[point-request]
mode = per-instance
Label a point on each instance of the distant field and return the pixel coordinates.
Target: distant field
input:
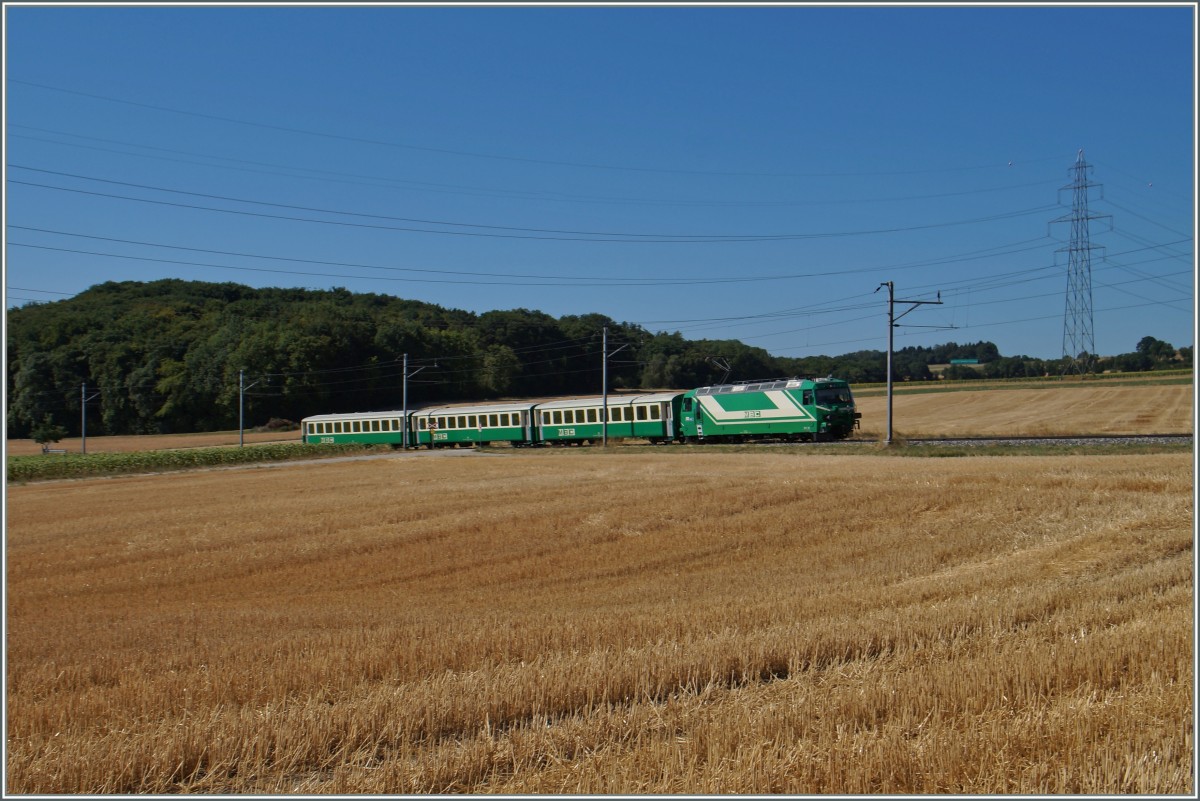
(1061, 410)
(979, 410)
(129, 444)
(633, 622)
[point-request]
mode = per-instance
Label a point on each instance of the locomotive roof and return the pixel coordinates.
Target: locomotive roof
(754, 386)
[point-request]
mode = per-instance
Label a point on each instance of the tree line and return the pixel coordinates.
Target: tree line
(176, 356)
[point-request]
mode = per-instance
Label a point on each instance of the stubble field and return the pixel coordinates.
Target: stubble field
(632, 621)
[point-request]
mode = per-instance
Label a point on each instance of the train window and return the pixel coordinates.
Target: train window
(591, 415)
(374, 425)
(616, 414)
(569, 417)
(462, 421)
(655, 412)
(642, 414)
(421, 423)
(557, 418)
(337, 428)
(493, 420)
(472, 422)
(808, 397)
(546, 418)
(834, 394)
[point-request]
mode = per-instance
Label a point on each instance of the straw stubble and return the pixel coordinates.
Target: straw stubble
(596, 623)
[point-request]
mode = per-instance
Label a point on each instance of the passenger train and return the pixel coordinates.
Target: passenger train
(788, 409)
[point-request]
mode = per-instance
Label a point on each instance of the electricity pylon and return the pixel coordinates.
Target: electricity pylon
(1079, 341)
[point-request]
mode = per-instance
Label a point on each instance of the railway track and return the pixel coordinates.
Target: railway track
(1105, 439)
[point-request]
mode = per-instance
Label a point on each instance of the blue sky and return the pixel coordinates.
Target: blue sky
(726, 172)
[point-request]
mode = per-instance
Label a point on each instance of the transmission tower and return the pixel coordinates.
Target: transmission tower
(1079, 342)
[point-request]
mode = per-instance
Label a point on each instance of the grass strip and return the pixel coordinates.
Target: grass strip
(72, 465)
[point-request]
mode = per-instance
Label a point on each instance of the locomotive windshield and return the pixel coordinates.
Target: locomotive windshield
(829, 396)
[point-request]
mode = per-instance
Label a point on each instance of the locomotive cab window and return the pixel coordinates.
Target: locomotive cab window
(827, 395)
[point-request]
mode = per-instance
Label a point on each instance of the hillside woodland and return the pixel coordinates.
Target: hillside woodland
(175, 356)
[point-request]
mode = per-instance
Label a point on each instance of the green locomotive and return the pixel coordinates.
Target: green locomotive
(793, 409)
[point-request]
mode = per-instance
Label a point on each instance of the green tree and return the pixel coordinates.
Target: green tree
(47, 432)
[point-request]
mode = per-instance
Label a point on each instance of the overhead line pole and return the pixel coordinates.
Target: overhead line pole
(83, 416)
(404, 421)
(242, 387)
(892, 318)
(604, 383)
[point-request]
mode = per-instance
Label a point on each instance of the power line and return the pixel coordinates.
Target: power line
(379, 182)
(622, 238)
(493, 156)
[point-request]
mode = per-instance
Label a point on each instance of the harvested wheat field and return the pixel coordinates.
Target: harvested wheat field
(143, 442)
(632, 621)
(1065, 409)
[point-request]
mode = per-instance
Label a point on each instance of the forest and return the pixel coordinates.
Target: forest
(175, 356)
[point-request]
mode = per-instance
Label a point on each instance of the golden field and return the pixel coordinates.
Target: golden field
(634, 621)
(1065, 409)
